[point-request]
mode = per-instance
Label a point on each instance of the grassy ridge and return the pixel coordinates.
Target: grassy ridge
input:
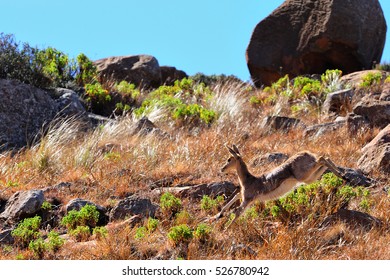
(285, 229)
(108, 163)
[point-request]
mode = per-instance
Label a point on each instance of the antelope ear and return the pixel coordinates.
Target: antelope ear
(235, 149)
(232, 152)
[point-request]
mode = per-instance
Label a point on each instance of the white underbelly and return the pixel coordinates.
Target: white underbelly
(285, 187)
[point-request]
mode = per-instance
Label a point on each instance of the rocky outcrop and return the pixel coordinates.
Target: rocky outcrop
(338, 102)
(385, 94)
(310, 36)
(355, 177)
(145, 127)
(377, 112)
(24, 110)
(279, 123)
(170, 74)
(353, 219)
(133, 205)
(69, 103)
(198, 191)
(355, 79)
(357, 124)
(318, 130)
(22, 204)
(141, 70)
(376, 154)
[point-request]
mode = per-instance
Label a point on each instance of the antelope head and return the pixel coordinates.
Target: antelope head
(233, 161)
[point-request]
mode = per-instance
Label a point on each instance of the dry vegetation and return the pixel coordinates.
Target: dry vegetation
(110, 163)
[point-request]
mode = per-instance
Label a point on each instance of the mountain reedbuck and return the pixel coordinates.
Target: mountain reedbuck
(303, 167)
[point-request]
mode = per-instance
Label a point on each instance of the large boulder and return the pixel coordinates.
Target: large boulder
(376, 154)
(310, 36)
(24, 110)
(141, 70)
(170, 74)
(22, 204)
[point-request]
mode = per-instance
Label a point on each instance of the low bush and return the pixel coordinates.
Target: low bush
(300, 92)
(371, 79)
(27, 231)
(87, 72)
(320, 198)
(208, 204)
(184, 102)
(87, 216)
(150, 227)
(38, 247)
(180, 234)
(203, 232)
(80, 233)
(43, 68)
(18, 61)
(170, 204)
(55, 242)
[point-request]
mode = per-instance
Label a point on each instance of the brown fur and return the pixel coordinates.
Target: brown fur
(302, 168)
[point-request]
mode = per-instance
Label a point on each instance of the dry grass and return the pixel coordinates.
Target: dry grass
(110, 162)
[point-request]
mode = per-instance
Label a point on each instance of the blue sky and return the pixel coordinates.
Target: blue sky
(208, 36)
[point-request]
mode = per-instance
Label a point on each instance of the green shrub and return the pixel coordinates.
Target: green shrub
(384, 66)
(180, 234)
(100, 232)
(183, 217)
(170, 204)
(71, 220)
(55, 242)
(251, 213)
(212, 80)
(371, 79)
(152, 224)
(121, 109)
(46, 206)
(275, 211)
(56, 66)
(141, 232)
(87, 216)
(18, 61)
(307, 86)
(95, 93)
(301, 93)
(26, 231)
(81, 233)
(38, 247)
(184, 102)
(112, 156)
(210, 205)
(331, 80)
(319, 198)
(42, 68)
(203, 232)
(128, 89)
(87, 73)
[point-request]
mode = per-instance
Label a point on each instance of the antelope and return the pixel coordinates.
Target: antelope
(303, 167)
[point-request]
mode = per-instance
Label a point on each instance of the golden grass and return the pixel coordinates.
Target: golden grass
(109, 163)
